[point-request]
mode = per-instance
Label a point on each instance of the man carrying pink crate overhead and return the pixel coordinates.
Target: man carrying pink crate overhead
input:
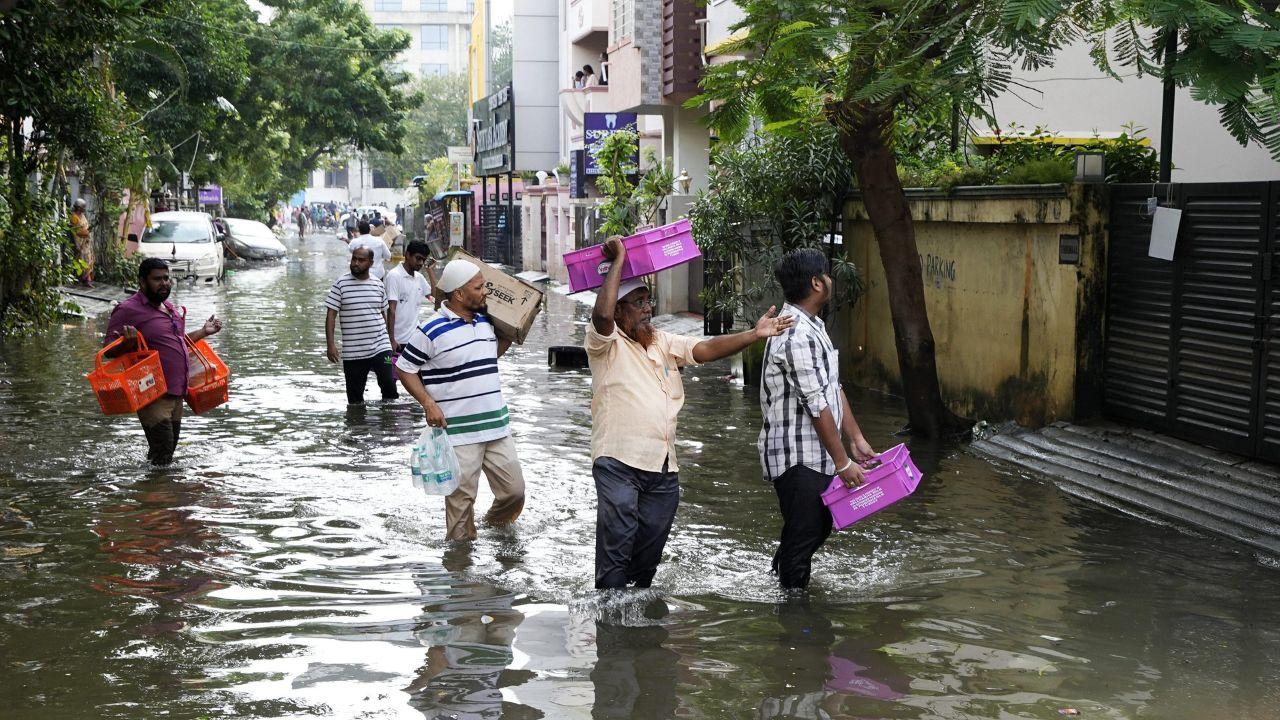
(637, 393)
(805, 412)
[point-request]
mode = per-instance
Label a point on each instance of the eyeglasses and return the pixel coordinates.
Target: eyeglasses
(650, 303)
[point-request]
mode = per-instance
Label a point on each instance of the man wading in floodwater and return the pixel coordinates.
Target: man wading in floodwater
(636, 394)
(150, 314)
(805, 411)
(450, 366)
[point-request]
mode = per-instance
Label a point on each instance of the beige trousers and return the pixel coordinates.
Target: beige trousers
(497, 458)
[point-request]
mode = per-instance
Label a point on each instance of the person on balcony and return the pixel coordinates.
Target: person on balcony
(589, 78)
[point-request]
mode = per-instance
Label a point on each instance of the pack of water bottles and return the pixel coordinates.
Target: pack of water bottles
(432, 463)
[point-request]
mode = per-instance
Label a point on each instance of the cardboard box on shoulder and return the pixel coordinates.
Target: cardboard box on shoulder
(513, 303)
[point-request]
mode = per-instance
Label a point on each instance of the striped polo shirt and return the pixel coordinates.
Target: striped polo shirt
(458, 363)
(361, 306)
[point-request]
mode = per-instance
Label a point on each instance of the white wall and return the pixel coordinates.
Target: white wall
(1202, 150)
(536, 84)
(721, 14)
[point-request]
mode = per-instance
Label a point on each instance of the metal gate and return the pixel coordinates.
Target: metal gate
(1193, 345)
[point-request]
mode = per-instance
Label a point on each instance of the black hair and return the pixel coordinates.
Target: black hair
(587, 69)
(151, 263)
(363, 226)
(796, 269)
(577, 75)
(417, 247)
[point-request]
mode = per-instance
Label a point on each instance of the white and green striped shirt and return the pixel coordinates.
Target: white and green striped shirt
(458, 363)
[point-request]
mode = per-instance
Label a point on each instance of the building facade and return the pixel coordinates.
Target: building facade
(440, 35)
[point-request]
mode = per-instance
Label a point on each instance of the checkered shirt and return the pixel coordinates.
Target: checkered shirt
(801, 378)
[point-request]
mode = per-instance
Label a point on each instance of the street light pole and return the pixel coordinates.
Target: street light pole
(1170, 90)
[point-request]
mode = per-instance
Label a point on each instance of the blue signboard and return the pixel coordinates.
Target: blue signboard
(598, 126)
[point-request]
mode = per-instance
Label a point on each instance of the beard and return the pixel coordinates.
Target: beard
(156, 296)
(643, 333)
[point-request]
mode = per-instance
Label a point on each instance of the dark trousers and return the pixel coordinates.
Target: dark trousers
(806, 523)
(634, 512)
(356, 373)
(162, 424)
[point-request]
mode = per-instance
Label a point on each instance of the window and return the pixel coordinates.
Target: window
(388, 5)
(380, 179)
(430, 5)
(471, 6)
(436, 69)
(435, 37)
(620, 24)
(335, 177)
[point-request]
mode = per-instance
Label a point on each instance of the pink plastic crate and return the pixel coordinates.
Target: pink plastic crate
(891, 476)
(648, 251)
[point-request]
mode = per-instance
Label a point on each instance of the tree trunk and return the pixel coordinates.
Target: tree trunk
(886, 203)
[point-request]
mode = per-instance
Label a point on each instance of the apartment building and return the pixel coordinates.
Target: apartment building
(647, 58)
(440, 33)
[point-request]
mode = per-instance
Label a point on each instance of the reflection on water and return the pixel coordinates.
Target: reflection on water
(285, 566)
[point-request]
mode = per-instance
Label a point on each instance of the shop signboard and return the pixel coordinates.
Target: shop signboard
(494, 134)
(210, 195)
(598, 126)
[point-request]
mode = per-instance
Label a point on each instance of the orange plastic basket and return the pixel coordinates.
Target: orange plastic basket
(208, 385)
(129, 382)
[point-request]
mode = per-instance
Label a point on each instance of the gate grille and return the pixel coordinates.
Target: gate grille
(1185, 346)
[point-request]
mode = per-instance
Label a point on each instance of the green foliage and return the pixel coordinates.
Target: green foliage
(129, 92)
(1030, 158)
(768, 195)
(1046, 171)
(32, 244)
(437, 121)
(438, 174)
(627, 204)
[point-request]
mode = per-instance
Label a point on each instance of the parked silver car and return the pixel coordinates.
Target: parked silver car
(251, 240)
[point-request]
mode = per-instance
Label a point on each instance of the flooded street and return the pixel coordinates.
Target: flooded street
(285, 567)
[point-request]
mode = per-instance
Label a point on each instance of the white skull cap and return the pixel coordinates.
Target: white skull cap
(630, 286)
(456, 274)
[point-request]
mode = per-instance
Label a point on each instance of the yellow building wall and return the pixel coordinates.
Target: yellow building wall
(1003, 310)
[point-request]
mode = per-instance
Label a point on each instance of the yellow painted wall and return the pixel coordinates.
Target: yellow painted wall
(1002, 309)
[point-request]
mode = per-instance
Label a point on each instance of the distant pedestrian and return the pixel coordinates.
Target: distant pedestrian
(381, 253)
(450, 366)
(406, 289)
(350, 224)
(83, 237)
(300, 217)
(637, 393)
(805, 413)
(162, 325)
(358, 302)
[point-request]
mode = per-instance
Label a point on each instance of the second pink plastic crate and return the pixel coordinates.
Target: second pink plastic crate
(648, 252)
(891, 478)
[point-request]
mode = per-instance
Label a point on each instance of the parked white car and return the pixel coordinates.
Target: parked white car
(189, 241)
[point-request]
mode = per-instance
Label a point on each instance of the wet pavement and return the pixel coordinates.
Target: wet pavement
(285, 567)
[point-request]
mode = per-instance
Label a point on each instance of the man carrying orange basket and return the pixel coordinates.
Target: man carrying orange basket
(162, 325)
(805, 413)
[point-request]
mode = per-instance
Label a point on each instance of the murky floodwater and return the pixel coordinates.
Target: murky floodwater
(285, 567)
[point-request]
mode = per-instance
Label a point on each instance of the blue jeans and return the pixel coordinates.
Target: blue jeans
(634, 512)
